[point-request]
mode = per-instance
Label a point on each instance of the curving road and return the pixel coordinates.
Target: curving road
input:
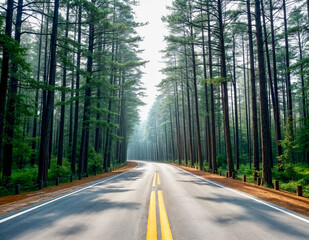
(154, 201)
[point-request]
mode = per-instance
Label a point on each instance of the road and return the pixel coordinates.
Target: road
(154, 201)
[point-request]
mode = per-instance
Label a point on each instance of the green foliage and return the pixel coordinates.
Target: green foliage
(303, 137)
(215, 81)
(95, 163)
(55, 171)
(288, 174)
(25, 177)
(288, 145)
(221, 160)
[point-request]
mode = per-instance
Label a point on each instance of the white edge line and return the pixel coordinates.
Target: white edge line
(248, 196)
(64, 196)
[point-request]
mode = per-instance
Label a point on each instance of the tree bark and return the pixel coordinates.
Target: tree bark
(5, 71)
(288, 74)
(64, 81)
(11, 103)
(236, 110)
(198, 132)
(75, 133)
(275, 77)
(212, 100)
(225, 106)
(255, 137)
(207, 127)
(83, 155)
(264, 118)
(49, 108)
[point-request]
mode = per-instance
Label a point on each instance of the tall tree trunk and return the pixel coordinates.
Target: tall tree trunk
(275, 77)
(49, 108)
(177, 123)
(236, 110)
(264, 118)
(184, 122)
(246, 105)
(288, 74)
(5, 71)
(64, 81)
(36, 104)
(271, 88)
(198, 132)
(83, 155)
(70, 142)
(75, 133)
(189, 109)
(212, 100)
(255, 137)
(225, 106)
(11, 103)
(172, 135)
(207, 127)
(98, 133)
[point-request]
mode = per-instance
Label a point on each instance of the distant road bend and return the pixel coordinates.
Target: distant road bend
(154, 201)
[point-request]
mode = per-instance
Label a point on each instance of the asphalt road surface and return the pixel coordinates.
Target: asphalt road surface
(154, 201)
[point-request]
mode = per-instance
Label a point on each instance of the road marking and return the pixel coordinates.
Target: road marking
(152, 219)
(165, 226)
(250, 197)
(158, 179)
(64, 196)
(154, 180)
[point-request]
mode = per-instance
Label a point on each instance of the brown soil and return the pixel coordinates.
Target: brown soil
(16, 202)
(281, 198)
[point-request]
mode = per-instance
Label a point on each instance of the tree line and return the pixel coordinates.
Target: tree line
(236, 87)
(70, 84)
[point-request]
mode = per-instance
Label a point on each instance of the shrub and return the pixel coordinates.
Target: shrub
(221, 160)
(55, 171)
(95, 163)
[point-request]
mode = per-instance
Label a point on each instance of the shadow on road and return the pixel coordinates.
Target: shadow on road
(92, 201)
(251, 213)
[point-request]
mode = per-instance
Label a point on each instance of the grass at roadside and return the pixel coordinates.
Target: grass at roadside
(297, 174)
(27, 177)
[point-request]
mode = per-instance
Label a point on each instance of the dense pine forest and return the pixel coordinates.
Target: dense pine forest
(235, 95)
(70, 87)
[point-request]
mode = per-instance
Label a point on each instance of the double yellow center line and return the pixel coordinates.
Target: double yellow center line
(152, 218)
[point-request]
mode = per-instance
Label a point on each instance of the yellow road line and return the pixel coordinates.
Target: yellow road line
(165, 226)
(158, 179)
(152, 220)
(154, 180)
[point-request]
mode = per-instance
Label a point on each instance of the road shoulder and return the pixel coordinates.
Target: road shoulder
(16, 202)
(280, 198)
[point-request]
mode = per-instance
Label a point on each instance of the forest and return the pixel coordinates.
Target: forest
(235, 94)
(70, 88)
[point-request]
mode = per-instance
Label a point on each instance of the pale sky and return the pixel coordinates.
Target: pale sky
(153, 34)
